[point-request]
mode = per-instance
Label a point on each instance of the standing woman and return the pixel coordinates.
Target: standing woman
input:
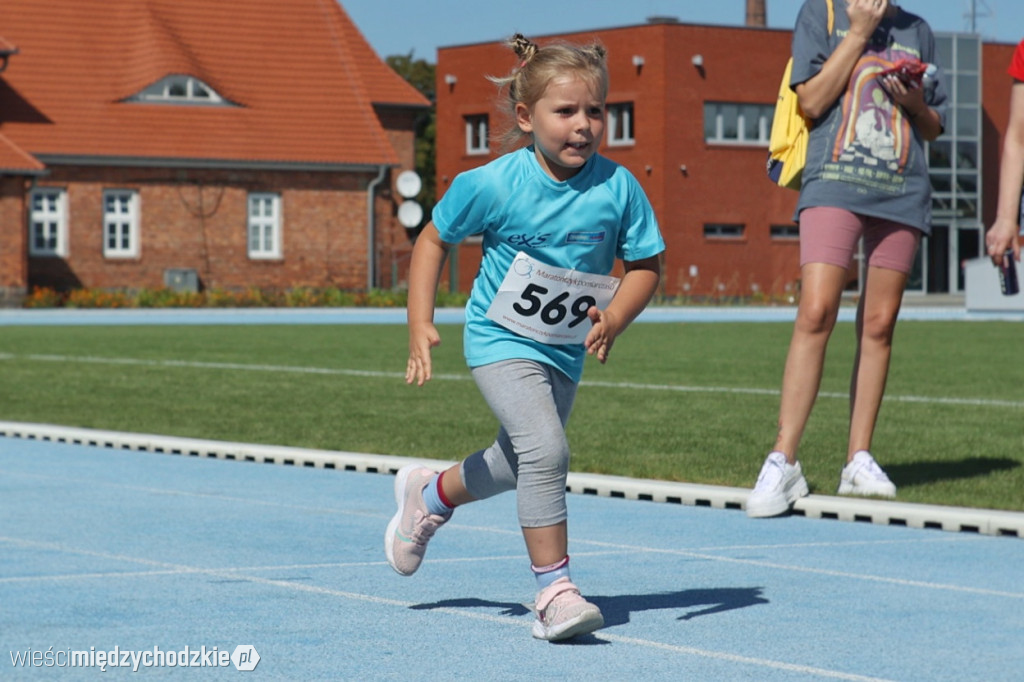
(866, 176)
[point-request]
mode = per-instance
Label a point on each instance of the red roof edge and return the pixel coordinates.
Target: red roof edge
(16, 161)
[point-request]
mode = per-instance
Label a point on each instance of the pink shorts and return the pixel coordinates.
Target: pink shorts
(829, 235)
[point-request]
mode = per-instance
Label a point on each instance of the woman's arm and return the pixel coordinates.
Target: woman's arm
(924, 118)
(820, 91)
(1002, 236)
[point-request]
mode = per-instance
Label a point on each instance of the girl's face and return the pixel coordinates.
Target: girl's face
(566, 124)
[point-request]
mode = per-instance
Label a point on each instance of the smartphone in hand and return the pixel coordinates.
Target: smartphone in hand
(909, 71)
(1008, 275)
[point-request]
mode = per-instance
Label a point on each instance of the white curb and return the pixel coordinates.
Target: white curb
(883, 512)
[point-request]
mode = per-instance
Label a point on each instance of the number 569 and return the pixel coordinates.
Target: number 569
(553, 311)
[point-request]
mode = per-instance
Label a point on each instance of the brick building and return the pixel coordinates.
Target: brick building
(689, 113)
(227, 145)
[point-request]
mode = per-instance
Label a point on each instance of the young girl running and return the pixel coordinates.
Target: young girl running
(554, 216)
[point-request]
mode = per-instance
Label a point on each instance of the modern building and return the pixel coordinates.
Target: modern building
(689, 113)
(254, 143)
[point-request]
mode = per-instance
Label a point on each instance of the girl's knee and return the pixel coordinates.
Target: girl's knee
(550, 459)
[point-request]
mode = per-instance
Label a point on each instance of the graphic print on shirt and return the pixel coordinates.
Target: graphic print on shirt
(874, 141)
(532, 241)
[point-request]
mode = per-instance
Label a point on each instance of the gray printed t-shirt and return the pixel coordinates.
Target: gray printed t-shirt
(864, 154)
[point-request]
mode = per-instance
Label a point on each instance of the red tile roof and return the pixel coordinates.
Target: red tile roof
(15, 160)
(304, 79)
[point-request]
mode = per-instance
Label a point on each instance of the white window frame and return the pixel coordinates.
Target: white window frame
(478, 130)
(263, 226)
(717, 134)
(182, 89)
(621, 131)
(725, 231)
(48, 222)
(120, 223)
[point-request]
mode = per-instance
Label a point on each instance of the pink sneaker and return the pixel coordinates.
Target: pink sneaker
(562, 613)
(412, 526)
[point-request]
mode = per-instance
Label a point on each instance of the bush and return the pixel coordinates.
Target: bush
(253, 297)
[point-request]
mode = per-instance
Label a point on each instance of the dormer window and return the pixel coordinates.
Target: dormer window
(180, 89)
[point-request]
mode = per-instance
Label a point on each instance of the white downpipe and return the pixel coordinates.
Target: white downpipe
(371, 228)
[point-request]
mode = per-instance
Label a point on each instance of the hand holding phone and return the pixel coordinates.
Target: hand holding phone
(909, 71)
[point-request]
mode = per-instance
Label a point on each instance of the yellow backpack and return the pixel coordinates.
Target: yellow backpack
(787, 146)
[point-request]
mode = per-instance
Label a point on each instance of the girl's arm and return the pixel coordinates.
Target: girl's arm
(638, 285)
(820, 91)
(428, 256)
(1002, 236)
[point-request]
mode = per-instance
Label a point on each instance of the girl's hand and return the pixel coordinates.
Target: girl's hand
(602, 336)
(422, 337)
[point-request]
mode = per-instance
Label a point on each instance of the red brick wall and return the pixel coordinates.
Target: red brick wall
(13, 249)
(197, 219)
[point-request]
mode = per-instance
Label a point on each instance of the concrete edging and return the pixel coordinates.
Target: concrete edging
(882, 512)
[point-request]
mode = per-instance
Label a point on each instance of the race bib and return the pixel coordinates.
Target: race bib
(549, 304)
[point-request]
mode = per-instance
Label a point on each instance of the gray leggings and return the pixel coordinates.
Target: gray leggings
(532, 400)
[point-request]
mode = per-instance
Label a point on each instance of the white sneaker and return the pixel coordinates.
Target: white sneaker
(863, 476)
(779, 485)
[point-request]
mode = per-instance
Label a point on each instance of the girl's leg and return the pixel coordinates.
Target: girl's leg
(532, 401)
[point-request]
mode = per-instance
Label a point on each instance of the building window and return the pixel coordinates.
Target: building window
(477, 132)
(48, 223)
(120, 223)
(723, 231)
(620, 124)
(731, 123)
(785, 232)
(180, 89)
(264, 225)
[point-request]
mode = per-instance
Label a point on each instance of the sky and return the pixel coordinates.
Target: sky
(398, 27)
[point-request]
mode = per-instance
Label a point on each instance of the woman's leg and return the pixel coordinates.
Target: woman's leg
(828, 239)
(820, 294)
(890, 249)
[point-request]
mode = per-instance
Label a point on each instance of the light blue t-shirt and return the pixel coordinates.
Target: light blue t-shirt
(584, 223)
(864, 154)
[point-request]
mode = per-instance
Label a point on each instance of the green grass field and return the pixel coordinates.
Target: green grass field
(682, 402)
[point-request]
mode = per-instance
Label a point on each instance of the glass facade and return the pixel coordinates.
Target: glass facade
(954, 161)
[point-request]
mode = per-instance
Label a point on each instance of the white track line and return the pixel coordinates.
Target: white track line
(235, 574)
(86, 359)
(695, 553)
